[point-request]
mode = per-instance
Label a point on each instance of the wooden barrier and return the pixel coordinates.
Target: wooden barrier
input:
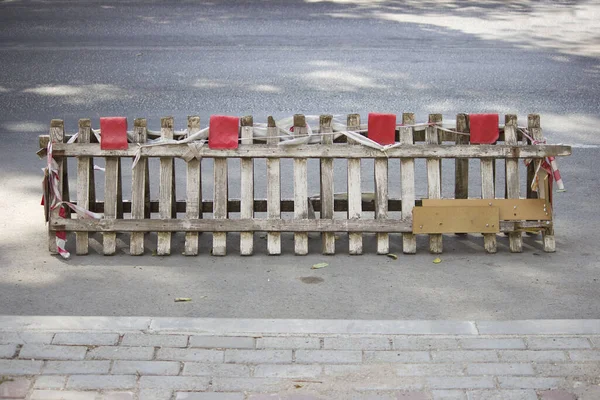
(364, 214)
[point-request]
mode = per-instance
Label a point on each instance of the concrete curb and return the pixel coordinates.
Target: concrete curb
(231, 326)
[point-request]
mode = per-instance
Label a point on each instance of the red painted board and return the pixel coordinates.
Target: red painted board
(223, 132)
(382, 128)
(113, 133)
(484, 128)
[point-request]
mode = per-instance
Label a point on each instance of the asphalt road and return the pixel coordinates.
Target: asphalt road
(74, 60)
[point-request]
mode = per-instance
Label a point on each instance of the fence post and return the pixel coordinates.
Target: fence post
(166, 193)
(57, 135)
(355, 242)
(327, 185)
(461, 168)
(512, 177)
(381, 202)
(407, 170)
(300, 189)
(434, 187)
(85, 180)
(247, 189)
(533, 123)
(273, 189)
(220, 200)
(193, 205)
(113, 201)
(139, 187)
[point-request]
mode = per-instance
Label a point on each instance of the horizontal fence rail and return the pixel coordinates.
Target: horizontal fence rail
(355, 212)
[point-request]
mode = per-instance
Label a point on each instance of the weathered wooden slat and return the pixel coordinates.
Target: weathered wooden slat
(461, 166)
(407, 171)
(57, 136)
(300, 189)
(166, 188)
(247, 187)
(257, 225)
(533, 124)
(139, 187)
(273, 206)
(261, 205)
(434, 187)
(193, 191)
(340, 150)
(220, 211)
(381, 202)
(488, 191)
(355, 242)
(327, 186)
(85, 179)
(515, 239)
(111, 194)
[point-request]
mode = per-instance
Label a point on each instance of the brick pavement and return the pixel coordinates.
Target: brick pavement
(201, 359)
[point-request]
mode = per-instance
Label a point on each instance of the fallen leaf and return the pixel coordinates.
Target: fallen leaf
(297, 386)
(437, 260)
(319, 266)
(182, 299)
(392, 256)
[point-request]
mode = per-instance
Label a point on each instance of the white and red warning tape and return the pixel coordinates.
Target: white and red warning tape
(51, 173)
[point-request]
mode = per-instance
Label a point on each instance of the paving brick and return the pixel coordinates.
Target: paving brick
(287, 371)
(118, 396)
(396, 356)
(8, 350)
(479, 343)
(51, 352)
(155, 394)
(121, 353)
(62, 395)
(541, 343)
(556, 394)
(594, 339)
(401, 384)
(20, 367)
(308, 343)
(536, 356)
(101, 382)
(209, 369)
(448, 395)
(174, 382)
(529, 382)
(229, 342)
(357, 343)
(199, 355)
(583, 355)
(258, 356)
(424, 343)
(346, 369)
(567, 369)
(209, 396)
(76, 367)
(460, 382)
(429, 369)
(328, 356)
(464, 356)
(14, 388)
(500, 369)
(123, 367)
(152, 340)
(221, 384)
(502, 395)
(88, 338)
(50, 382)
(26, 337)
